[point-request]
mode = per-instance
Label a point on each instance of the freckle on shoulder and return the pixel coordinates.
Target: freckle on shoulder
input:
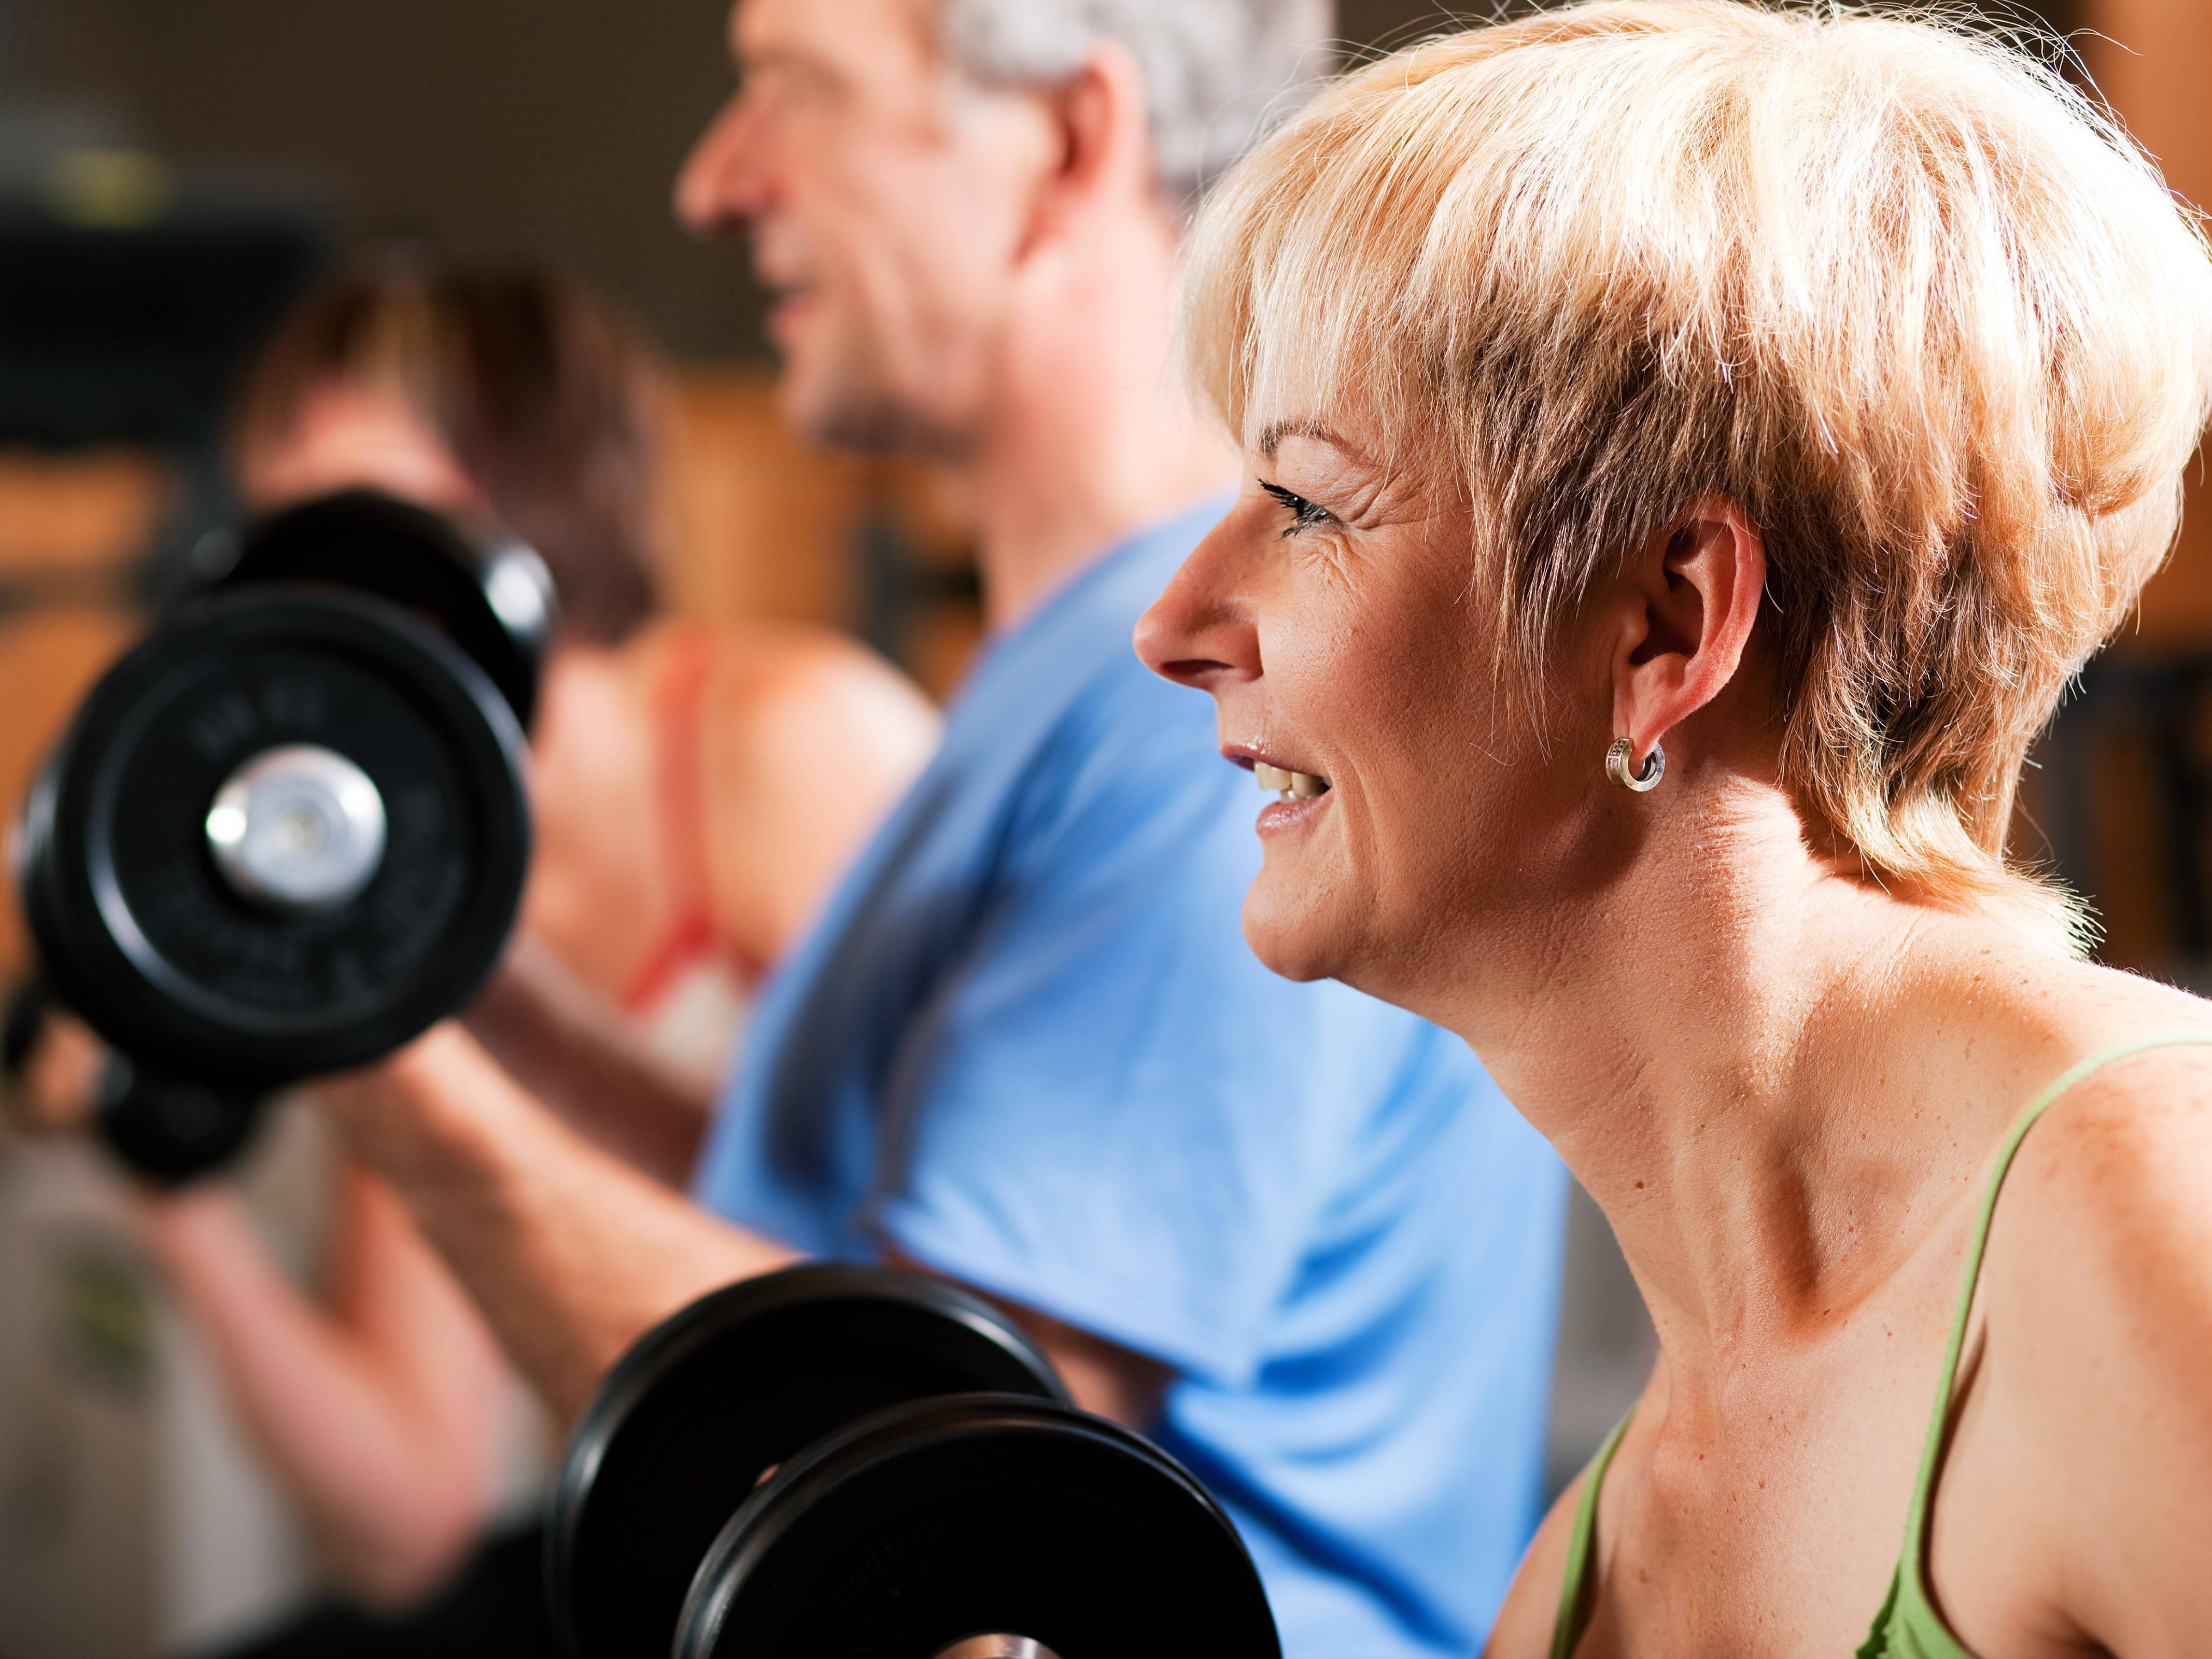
(2152, 1088)
(2128, 1158)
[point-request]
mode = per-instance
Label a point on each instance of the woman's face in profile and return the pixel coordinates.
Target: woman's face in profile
(346, 435)
(1330, 614)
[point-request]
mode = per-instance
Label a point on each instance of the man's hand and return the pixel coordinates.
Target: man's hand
(57, 1091)
(570, 1252)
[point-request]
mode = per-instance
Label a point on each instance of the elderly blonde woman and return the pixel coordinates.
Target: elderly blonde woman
(1691, 446)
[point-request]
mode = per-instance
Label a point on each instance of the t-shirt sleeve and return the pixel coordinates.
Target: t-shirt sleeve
(1110, 1111)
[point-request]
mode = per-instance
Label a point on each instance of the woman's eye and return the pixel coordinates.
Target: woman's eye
(1305, 515)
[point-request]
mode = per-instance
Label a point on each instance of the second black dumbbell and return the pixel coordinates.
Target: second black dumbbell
(856, 1461)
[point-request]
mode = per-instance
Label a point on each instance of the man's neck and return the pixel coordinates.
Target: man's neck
(1093, 436)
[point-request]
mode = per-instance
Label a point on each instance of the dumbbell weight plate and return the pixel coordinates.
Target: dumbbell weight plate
(979, 1524)
(713, 1398)
(490, 594)
(204, 975)
(169, 1132)
(21, 1026)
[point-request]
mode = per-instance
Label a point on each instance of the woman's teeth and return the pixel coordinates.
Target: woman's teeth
(1291, 786)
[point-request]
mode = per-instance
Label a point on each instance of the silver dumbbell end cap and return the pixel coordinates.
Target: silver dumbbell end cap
(298, 828)
(996, 1647)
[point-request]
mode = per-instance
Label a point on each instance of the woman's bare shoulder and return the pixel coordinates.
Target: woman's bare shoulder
(2118, 1170)
(1524, 1625)
(768, 688)
(2098, 1288)
(758, 658)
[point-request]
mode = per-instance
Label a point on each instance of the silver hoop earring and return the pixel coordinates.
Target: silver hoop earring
(1616, 766)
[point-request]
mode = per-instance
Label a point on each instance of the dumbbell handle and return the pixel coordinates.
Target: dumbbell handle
(996, 1647)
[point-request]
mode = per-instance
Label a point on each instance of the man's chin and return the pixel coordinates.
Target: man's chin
(814, 407)
(840, 410)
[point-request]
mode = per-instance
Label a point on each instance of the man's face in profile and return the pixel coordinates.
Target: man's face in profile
(885, 201)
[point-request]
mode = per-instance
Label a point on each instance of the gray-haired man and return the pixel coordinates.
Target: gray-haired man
(1294, 1233)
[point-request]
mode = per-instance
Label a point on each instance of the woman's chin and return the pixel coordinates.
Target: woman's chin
(1288, 938)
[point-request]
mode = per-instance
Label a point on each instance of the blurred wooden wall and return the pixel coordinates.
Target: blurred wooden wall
(2151, 59)
(754, 522)
(761, 527)
(70, 530)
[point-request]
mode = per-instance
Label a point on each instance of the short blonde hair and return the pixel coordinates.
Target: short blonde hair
(1896, 288)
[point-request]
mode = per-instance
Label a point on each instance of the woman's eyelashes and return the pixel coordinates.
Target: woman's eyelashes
(1305, 515)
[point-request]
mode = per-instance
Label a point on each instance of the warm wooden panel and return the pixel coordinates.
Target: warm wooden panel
(756, 524)
(48, 659)
(80, 513)
(2153, 60)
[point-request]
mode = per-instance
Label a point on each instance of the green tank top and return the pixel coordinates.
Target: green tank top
(1908, 1626)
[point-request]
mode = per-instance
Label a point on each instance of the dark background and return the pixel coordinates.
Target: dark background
(548, 127)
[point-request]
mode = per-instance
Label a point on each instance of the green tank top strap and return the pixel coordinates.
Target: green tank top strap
(1908, 1626)
(1575, 1584)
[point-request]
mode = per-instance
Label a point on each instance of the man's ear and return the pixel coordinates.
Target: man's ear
(1685, 607)
(1102, 121)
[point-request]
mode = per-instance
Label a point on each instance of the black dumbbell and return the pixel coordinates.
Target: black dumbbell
(165, 1131)
(169, 1132)
(288, 832)
(979, 1527)
(487, 593)
(21, 1026)
(855, 1461)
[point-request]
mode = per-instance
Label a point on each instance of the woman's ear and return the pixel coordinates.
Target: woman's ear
(1688, 605)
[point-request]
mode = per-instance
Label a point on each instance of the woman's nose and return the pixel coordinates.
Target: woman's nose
(1198, 633)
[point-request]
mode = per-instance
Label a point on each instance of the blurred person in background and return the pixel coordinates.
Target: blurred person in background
(694, 791)
(1025, 1047)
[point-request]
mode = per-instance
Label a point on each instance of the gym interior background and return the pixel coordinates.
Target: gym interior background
(224, 149)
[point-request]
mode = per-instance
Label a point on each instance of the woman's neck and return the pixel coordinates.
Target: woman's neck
(1737, 1056)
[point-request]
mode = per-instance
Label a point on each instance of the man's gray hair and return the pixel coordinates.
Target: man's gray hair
(1218, 73)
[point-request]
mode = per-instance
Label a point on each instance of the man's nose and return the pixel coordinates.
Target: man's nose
(718, 189)
(1198, 633)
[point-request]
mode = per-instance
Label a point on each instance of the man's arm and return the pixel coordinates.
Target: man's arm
(1102, 1377)
(554, 1037)
(570, 1253)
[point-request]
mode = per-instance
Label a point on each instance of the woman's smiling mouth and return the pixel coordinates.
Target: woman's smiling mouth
(1291, 786)
(1298, 795)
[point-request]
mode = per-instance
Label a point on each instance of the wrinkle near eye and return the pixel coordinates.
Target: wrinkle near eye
(1350, 488)
(1326, 551)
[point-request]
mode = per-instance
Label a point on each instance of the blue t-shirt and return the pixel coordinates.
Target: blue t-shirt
(1027, 1046)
